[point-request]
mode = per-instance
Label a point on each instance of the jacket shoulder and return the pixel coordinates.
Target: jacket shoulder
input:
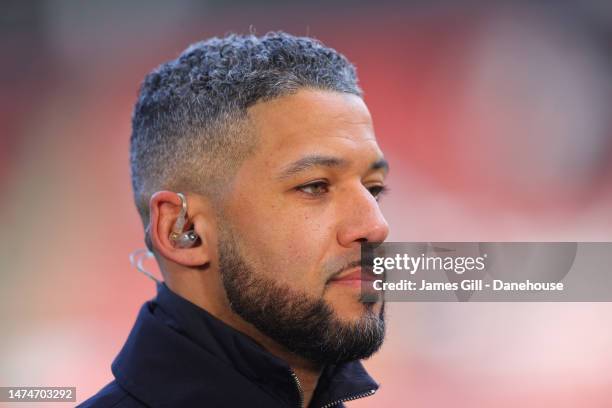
(112, 396)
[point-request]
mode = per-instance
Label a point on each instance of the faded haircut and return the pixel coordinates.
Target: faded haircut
(190, 128)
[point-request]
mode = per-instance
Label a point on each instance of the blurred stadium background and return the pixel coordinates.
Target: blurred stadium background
(495, 117)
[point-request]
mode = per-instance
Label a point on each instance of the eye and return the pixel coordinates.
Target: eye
(315, 188)
(378, 191)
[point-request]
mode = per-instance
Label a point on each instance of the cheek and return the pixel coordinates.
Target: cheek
(290, 244)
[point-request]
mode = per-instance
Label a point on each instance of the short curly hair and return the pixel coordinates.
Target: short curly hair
(189, 125)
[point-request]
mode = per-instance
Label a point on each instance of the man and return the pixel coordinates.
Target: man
(271, 144)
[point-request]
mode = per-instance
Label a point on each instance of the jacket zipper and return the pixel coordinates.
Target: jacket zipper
(351, 398)
(299, 388)
(331, 404)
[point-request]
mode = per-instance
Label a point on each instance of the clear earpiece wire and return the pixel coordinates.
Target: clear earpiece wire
(138, 257)
(182, 218)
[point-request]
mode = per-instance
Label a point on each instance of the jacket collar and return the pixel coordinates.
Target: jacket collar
(176, 346)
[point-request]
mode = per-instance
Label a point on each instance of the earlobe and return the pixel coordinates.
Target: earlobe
(168, 217)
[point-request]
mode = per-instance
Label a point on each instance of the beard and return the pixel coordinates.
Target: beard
(306, 326)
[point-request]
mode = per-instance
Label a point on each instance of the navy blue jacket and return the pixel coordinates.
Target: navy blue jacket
(179, 355)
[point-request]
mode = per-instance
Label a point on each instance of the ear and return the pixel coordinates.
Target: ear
(164, 210)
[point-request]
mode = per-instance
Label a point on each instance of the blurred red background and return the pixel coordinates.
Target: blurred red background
(495, 118)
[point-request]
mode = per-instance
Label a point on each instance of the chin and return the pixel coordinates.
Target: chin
(350, 308)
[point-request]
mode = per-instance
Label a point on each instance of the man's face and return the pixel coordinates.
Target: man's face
(299, 208)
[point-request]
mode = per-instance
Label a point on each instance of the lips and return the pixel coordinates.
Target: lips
(353, 274)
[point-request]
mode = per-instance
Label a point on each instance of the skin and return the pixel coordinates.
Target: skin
(298, 224)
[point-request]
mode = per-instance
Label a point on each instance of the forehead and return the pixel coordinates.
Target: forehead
(314, 121)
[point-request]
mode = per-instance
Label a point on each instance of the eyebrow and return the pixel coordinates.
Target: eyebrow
(380, 164)
(316, 160)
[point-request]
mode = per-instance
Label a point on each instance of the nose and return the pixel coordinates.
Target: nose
(361, 220)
